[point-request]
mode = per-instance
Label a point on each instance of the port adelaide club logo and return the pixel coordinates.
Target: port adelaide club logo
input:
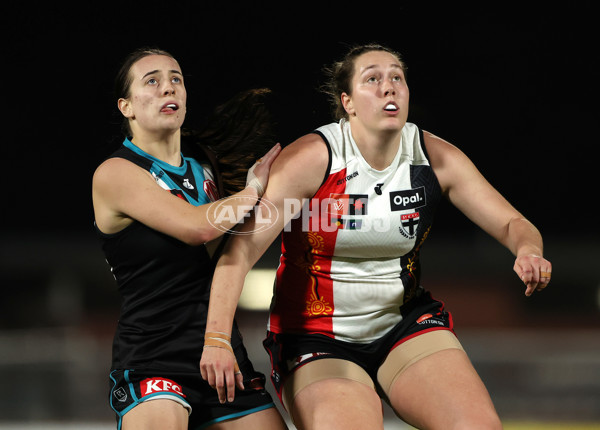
(406, 200)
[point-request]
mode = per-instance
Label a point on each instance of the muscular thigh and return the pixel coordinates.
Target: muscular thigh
(159, 414)
(332, 394)
(265, 419)
(412, 350)
(443, 390)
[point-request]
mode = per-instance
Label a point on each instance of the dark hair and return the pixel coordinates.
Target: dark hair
(238, 133)
(123, 79)
(339, 75)
(233, 137)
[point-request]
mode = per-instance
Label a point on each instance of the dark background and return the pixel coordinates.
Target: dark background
(514, 85)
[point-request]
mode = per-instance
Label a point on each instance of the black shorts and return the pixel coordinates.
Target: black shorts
(289, 352)
(131, 387)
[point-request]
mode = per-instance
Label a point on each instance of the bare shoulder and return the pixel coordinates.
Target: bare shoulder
(117, 183)
(450, 164)
(439, 148)
(301, 166)
(111, 168)
(308, 153)
(118, 172)
(310, 147)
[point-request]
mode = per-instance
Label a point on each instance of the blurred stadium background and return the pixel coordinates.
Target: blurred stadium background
(539, 357)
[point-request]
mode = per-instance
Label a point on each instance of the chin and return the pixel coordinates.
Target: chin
(393, 126)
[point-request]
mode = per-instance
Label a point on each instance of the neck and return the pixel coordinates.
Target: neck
(378, 149)
(165, 147)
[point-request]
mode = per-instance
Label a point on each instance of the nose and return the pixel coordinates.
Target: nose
(168, 89)
(389, 90)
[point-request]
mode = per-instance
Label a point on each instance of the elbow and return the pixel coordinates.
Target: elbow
(519, 222)
(512, 226)
(200, 235)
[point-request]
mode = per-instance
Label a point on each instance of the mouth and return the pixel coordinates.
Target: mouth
(391, 107)
(169, 107)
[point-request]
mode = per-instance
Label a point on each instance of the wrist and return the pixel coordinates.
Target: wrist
(220, 340)
(256, 185)
(218, 335)
(530, 252)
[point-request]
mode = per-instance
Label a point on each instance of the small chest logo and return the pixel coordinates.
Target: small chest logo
(159, 385)
(348, 204)
(187, 184)
(157, 175)
(409, 224)
(407, 199)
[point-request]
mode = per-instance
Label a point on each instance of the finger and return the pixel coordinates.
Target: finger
(530, 289)
(203, 372)
(520, 271)
(210, 377)
(529, 280)
(231, 387)
(220, 386)
(543, 283)
(274, 149)
(271, 155)
(526, 276)
(239, 380)
(545, 276)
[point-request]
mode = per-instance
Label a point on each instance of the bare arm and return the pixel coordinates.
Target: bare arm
(123, 192)
(307, 155)
(472, 194)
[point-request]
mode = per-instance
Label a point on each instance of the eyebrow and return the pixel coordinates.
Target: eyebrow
(374, 66)
(156, 71)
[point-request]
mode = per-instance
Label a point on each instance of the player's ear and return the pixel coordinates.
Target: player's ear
(347, 103)
(124, 106)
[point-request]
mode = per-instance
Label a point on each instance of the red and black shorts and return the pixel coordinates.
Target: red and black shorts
(289, 352)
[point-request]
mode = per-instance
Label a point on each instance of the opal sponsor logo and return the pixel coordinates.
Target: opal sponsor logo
(407, 199)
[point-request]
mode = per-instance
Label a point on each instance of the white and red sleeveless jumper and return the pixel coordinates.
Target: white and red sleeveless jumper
(350, 260)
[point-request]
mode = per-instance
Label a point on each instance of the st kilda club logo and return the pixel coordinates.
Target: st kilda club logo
(406, 200)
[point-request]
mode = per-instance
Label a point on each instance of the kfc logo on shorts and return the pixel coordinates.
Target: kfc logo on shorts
(160, 385)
